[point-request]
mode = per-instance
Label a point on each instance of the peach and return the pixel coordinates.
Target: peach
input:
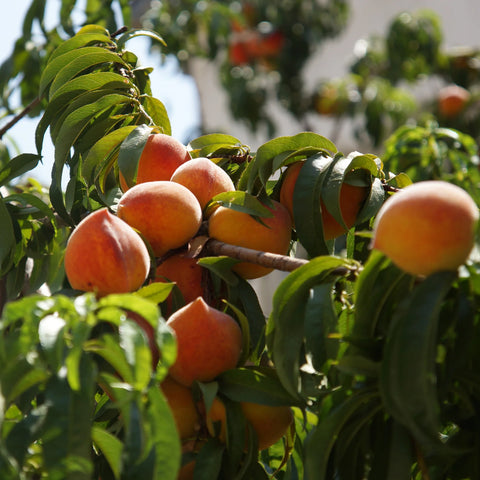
(203, 178)
(185, 272)
(269, 422)
(184, 409)
(238, 228)
(105, 255)
(209, 342)
(351, 200)
(160, 157)
(166, 213)
(452, 99)
(427, 227)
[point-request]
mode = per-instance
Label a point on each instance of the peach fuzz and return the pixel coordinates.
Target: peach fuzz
(166, 213)
(209, 342)
(203, 178)
(351, 200)
(427, 227)
(269, 422)
(161, 156)
(241, 229)
(105, 255)
(183, 407)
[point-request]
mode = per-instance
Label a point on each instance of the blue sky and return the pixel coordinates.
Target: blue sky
(175, 90)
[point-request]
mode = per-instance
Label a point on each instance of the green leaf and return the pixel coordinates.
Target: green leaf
(17, 166)
(157, 113)
(134, 343)
(321, 321)
(286, 329)
(81, 40)
(123, 39)
(81, 62)
(408, 376)
(213, 139)
(111, 447)
(109, 349)
(130, 151)
(255, 384)
(306, 204)
(7, 238)
(379, 283)
(241, 202)
(164, 435)
(156, 292)
(102, 150)
(209, 460)
(85, 58)
(320, 443)
(301, 145)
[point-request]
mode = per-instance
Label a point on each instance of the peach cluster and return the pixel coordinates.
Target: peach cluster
(166, 203)
(159, 212)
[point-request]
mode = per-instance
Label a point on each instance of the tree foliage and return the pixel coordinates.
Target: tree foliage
(380, 367)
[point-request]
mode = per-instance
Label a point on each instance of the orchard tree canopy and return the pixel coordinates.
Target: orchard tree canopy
(132, 342)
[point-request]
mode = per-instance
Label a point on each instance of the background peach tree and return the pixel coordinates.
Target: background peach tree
(381, 369)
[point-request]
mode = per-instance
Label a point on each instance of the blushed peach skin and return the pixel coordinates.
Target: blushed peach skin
(105, 255)
(203, 178)
(166, 213)
(241, 229)
(185, 272)
(352, 198)
(209, 342)
(182, 404)
(160, 157)
(427, 227)
(269, 422)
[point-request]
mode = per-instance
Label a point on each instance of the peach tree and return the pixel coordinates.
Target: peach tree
(378, 366)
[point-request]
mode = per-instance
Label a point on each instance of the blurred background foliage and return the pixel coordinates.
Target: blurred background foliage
(260, 50)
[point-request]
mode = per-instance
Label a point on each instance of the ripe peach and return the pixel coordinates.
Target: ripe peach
(208, 342)
(352, 198)
(427, 227)
(269, 422)
(241, 229)
(451, 100)
(160, 157)
(182, 404)
(185, 272)
(166, 213)
(203, 178)
(105, 255)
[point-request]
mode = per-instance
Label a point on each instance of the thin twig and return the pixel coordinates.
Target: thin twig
(19, 116)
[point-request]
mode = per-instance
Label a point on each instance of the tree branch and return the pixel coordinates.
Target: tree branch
(19, 116)
(270, 260)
